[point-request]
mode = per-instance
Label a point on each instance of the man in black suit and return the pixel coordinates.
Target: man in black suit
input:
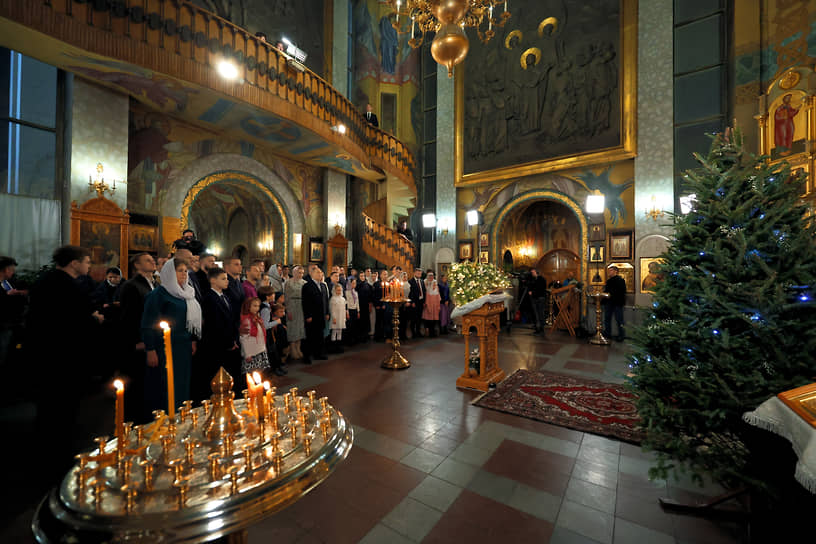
(61, 325)
(371, 117)
(417, 296)
(219, 336)
(131, 300)
(235, 291)
(365, 294)
(205, 262)
(315, 310)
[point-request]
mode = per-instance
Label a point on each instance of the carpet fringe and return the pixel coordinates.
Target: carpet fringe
(477, 399)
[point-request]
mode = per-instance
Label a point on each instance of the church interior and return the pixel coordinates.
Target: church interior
(532, 153)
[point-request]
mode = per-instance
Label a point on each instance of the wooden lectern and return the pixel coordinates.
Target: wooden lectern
(486, 322)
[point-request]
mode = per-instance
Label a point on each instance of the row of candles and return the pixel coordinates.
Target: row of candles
(392, 290)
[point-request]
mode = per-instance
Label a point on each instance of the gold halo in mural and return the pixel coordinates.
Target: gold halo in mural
(789, 80)
(535, 51)
(515, 34)
(543, 24)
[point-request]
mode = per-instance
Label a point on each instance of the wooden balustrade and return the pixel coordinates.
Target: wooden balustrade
(200, 38)
(387, 246)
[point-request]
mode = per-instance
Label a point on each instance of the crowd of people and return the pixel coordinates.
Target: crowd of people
(260, 318)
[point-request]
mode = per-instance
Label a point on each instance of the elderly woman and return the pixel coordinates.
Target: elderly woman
(295, 326)
(173, 301)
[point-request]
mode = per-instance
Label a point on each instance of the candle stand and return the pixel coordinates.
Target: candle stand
(598, 339)
(396, 360)
(205, 475)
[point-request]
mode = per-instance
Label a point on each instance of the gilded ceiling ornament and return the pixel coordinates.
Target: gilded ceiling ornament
(543, 24)
(535, 51)
(515, 34)
(789, 80)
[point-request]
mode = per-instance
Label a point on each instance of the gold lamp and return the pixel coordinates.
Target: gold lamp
(99, 184)
(448, 19)
(654, 212)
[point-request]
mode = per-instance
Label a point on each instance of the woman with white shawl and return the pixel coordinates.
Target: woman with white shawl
(295, 325)
(173, 301)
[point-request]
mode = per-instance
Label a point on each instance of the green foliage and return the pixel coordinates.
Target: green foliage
(734, 321)
(469, 281)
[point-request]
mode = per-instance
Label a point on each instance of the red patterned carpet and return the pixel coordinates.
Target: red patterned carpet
(568, 401)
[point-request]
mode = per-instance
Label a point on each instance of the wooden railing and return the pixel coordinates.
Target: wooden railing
(378, 211)
(196, 40)
(386, 246)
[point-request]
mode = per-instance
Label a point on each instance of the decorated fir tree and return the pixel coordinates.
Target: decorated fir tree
(734, 320)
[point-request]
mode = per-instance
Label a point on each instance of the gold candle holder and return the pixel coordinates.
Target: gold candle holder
(172, 431)
(82, 459)
(286, 398)
(129, 491)
(147, 466)
(277, 462)
(99, 488)
(158, 415)
(307, 444)
(275, 439)
(205, 404)
(83, 475)
(324, 404)
(189, 449)
(177, 466)
(395, 360)
(294, 392)
(324, 430)
(101, 444)
(182, 487)
(187, 407)
(140, 430)
(214, 459)
(233, 476)
(166, 442)
(123, 469)
(127, 426)
(312, 395)
(247, 449)
(222, 418)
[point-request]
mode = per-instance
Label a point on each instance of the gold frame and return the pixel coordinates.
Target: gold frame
(628, 122)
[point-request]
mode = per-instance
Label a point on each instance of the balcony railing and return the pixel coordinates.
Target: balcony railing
(195, 36)
(387, 246)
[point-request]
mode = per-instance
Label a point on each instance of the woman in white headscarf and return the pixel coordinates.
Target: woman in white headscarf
(173, 301)
(295, 325)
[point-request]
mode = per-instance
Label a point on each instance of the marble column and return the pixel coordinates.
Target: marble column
(654, 165)
(445, 174)
(340, 44)
(334, 196)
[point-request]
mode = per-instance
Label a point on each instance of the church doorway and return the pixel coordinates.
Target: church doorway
(542, 234)
(235, 218)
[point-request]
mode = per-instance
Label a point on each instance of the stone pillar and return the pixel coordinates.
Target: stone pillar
(654, 165)
(445, 173)
(99, 134)
(334, 197)
(340, 29)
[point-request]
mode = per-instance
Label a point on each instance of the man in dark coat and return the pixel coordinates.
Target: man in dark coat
(205, 262)
(315, 309)
(371, 117)
(616, 287)
(417, 296)
(235, 290)
(131, 299)
(365, 293)
(61, 324)
(219, 337)
(379, 305)
(188, 241)
(537, 291)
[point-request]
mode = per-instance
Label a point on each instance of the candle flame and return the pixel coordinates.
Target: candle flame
(119, 385)
(250, 381)
(164, 325)
(256, 377)
(267, 386)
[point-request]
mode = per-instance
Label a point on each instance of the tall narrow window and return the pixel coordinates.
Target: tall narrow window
(28, 121)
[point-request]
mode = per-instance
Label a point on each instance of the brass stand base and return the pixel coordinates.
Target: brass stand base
(395, 361)
(480, 383)
(599, 339)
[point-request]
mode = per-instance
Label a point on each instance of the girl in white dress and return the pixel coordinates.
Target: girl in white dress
(338, 313)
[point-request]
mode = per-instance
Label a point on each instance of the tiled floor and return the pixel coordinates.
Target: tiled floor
(427, 466)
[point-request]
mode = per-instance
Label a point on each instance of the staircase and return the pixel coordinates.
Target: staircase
(384, 244)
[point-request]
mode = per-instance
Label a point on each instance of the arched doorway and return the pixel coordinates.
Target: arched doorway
(558, 265)
(236, 216)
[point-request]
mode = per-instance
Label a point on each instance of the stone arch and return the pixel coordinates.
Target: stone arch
(289, 204)
(444, 255)
(542, 194)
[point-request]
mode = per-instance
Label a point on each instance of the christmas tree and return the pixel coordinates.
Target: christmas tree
(734, 321)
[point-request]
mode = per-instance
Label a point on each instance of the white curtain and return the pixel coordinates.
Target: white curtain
(29, 230)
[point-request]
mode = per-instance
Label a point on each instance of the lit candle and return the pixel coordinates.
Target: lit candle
(506, 5)
(120, 413)
(168, 356)
(490, 18)
(259, 397)
(412, 28)
(268, 397)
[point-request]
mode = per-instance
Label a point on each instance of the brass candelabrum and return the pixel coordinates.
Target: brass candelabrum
(206, 474)
(598, 339)
(396, 360)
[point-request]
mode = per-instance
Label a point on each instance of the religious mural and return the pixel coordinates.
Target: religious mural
(161, 147)
(385, 63)
(547, 85)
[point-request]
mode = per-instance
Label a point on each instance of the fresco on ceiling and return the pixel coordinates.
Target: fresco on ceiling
(615, 182)
(547, 85)
(161, 147)
(384, 62)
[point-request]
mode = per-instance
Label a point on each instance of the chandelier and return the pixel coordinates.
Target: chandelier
(448, 19)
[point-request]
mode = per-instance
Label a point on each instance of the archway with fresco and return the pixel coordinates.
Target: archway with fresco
(237, 216)
(545, 230)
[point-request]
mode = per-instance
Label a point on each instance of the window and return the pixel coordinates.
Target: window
(28, 126)
(427, 135)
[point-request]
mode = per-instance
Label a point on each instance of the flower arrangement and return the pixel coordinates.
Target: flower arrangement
(469, 281)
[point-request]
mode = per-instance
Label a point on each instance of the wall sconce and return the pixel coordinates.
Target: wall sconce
(214, 249)
(99, 184)
(654, 212)
(267, 244)
(595, 204)
(339, 222)
(444, 225)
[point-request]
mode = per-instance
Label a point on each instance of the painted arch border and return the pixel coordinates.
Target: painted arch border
(221, 177)
(536, 195)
